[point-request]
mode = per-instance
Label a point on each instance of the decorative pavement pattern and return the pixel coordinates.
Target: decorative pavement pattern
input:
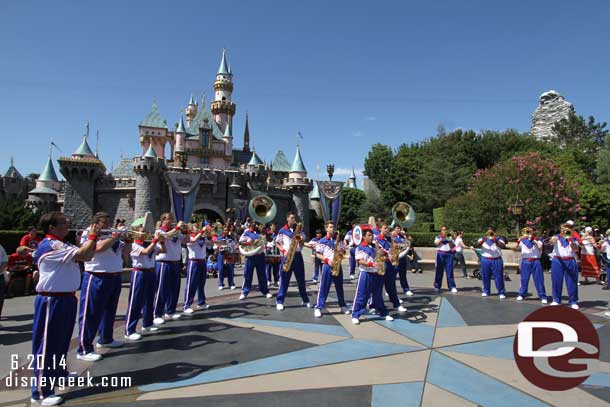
(446, 350)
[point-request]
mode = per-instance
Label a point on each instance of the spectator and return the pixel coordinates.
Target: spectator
(31, 240)
(3, 263)
(20, 265)
(459, 253)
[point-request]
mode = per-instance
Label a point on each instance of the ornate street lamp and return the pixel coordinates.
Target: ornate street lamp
(183, 157)
(517, 210)
(330, 169)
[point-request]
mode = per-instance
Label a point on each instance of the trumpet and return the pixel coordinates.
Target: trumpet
(527, 232)
(566, 232)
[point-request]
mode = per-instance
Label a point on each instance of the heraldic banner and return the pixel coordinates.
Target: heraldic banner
(183, 187)
(330, 199)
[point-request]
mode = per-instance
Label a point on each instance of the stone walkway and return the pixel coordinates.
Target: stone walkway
(451, 349)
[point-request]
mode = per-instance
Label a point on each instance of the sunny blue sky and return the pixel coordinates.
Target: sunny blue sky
(346, 74)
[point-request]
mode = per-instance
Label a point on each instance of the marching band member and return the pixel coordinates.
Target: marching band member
(444, 260)
(370, 283)
(283, 241)
(196, 271)
(272, 269)
(169, 268)
(55, 304)
(251, 235)
(223, 244)
(317, 264)
(142, 286)
(589, 266)
(491, 262)
(531, 249)
(325, 251)
(398, 238)
(563, 265)
(100, 292)
(352, 252)
(385, 243)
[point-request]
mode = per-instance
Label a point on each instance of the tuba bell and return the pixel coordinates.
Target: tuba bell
(262, 209)
(403, 215)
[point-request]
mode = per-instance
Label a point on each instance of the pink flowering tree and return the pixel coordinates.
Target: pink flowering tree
(549, 197)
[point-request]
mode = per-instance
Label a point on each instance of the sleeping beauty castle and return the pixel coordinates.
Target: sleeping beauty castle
(200, 145)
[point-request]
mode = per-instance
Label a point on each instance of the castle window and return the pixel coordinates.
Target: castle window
(224, 98)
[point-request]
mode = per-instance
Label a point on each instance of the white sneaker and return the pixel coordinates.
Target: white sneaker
(607, 314)
(232, 287)
(204, 306)
(268, 295)
(133, 337)
(317, 313)
(89, 357)
(351, 277)
(409, 293)
(400, 301)
(242, 297)
(574, 306)
(221, 287)
(345, 310)
(372, 311)
(389, 318)
(279, 307)
(158, 321)
(150, 329)
(554, 303)
(48, 401)
(189, 311)
(167, 316)
(113, 344)
(544, 301)
(484, 294)
(519, 298)
(386, 294)
(355, 321)
(502, 296)
(402, 309)
(176, 316)
(306, 304)
(454, 290)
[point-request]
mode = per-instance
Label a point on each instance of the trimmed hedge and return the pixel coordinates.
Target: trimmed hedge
(9, 239)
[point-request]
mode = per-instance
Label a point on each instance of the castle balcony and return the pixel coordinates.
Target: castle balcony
(223, 106)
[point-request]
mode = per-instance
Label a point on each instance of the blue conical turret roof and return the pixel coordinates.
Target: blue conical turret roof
(224, 69)
(12, 171)
(255, 160)
(48, 173)
(228, 132)
(84, 149)
(180, 128)
(150, 153)
(192, 100)
(297, 163)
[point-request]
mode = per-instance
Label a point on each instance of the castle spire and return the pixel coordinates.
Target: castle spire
(180, 128)
(246, 148)
(297, 163)
(223, 69)
(48, 173)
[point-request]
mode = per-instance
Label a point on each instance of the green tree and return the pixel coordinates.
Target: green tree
(351, 202)
(14, 215)
(602, 170)
(378, 165)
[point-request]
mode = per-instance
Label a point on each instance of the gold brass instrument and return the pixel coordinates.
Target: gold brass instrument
(566, 232)
(255, 247)
(380, 258)
(339, 252)
(296, 240)
(403, 215)
(527, 232)
(262, 209)
(395, 250)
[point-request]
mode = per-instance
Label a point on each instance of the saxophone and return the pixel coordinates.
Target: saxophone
(296, 239)
(394, 252)
(380, 260)
(337, 257)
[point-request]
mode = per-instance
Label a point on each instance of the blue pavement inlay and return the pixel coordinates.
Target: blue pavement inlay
(474, 386)
(401, 394)
(418, 332)
(598, 379)
(336, 330)
(336, 352)
(501, 348)
(448, 316)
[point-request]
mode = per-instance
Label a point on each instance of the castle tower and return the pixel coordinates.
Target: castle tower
(300, 186)
(43, 198)
(153, 131)
(222, 108)
(191, 111)
(228, 139)
(180, 137)
(81, 171)
(148, 169)
(246, 147)
(351, 181)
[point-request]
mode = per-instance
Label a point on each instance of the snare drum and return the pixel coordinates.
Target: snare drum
(231, 257)
(273, 259)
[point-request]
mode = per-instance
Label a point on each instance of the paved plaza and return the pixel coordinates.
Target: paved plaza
(447, 349)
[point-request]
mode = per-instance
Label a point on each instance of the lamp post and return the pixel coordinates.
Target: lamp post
(183, 157)
(517, 210)
(330, 169)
